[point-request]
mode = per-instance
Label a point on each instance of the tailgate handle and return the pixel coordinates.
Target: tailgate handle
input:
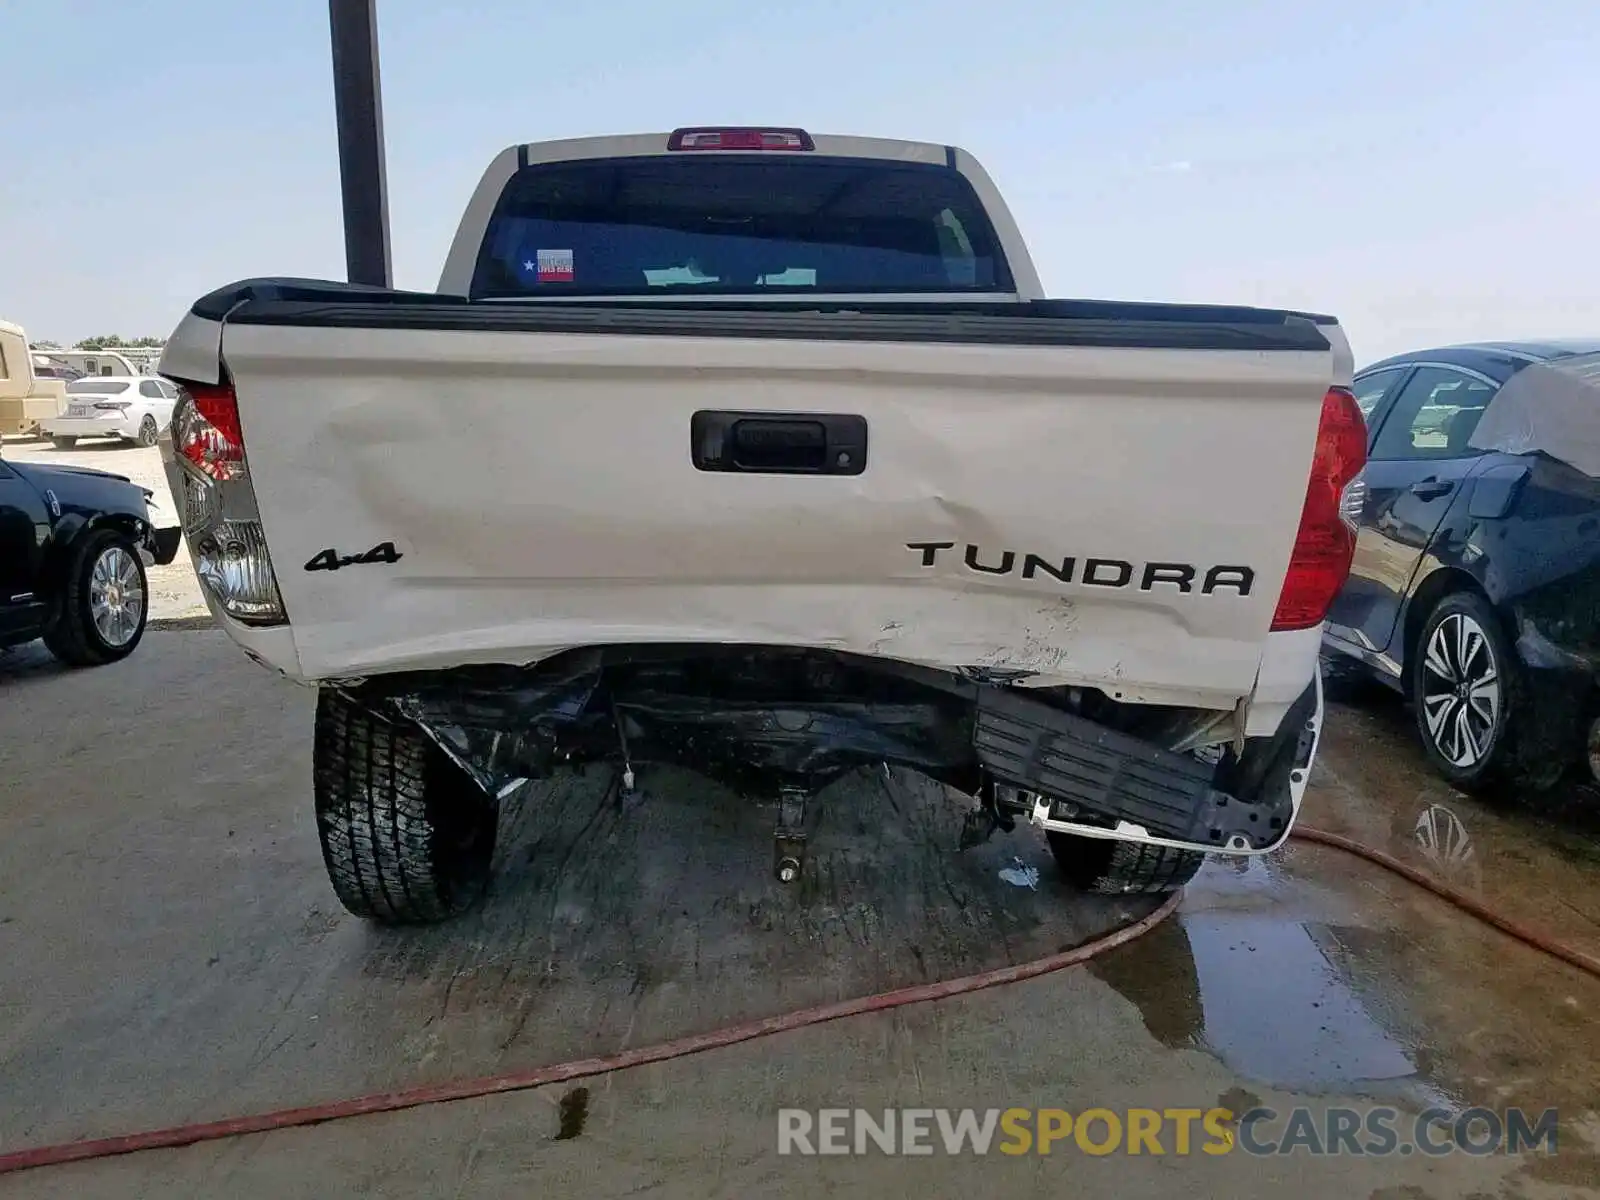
(767, 443)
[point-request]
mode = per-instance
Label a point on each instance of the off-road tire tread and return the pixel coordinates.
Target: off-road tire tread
(1111, 868)
(380, 789)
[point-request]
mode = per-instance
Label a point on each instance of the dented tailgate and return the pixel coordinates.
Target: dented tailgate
(1084, 502)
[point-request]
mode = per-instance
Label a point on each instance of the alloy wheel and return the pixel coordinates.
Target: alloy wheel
(1461, 694)
(116, 597)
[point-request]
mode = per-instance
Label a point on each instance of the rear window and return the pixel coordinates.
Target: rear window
(737, 224)
(98, 387)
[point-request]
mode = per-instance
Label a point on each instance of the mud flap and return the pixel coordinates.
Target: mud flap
(164, 544)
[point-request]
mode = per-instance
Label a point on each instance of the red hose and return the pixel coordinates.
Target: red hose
(1467, 903)
(463, 1089)
(516, 1081)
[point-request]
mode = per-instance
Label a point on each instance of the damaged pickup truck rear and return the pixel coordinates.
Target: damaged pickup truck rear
(763, 454)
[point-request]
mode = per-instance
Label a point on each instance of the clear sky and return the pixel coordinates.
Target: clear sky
(1425, 171)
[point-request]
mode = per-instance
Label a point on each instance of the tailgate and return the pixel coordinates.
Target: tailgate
(1103, 503)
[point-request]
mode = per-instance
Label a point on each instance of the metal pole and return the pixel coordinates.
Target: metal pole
(358, 106)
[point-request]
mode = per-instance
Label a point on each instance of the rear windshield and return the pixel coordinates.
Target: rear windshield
(739, 224)
(98, 387)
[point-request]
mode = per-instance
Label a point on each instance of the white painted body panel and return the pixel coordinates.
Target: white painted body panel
(540, 491)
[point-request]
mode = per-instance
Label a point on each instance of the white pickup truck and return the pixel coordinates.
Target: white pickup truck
(763, 454)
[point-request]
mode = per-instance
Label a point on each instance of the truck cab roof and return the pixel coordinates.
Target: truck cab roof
(898, 219)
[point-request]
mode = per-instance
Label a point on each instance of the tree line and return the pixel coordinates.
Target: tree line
(103, 342)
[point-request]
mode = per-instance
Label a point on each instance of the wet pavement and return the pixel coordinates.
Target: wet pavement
(172, 953)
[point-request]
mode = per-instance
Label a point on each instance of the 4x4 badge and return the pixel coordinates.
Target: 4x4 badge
(332, 560)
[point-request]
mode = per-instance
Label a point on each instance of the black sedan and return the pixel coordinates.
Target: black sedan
(72, 547)
(1475, 590)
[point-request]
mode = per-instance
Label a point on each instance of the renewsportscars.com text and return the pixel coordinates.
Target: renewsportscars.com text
(1377, 1131)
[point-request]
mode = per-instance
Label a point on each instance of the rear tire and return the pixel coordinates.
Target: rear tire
(1112, 868)
(407, 836)
(62, 442)
(105, 602)
(149, 432)
(1467, 712)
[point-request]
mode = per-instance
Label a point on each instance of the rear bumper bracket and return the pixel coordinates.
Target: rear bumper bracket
(1083, 773)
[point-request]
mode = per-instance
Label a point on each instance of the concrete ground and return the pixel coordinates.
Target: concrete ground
(174, 591)
(171, 952)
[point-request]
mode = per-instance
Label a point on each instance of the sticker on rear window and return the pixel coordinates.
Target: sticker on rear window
(554, 266)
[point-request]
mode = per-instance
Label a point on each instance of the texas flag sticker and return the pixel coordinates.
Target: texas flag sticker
(554, 266)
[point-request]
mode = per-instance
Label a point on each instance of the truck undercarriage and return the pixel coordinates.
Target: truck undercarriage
(783, 723)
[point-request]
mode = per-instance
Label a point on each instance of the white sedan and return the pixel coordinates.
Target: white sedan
(134, 408)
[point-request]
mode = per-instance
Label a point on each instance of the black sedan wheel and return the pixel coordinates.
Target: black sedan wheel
(1465, 692)
(104, 605)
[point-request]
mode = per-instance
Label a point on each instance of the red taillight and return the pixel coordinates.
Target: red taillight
(214, 442)
(743, 138)
(221, 521)
(1326, 540)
